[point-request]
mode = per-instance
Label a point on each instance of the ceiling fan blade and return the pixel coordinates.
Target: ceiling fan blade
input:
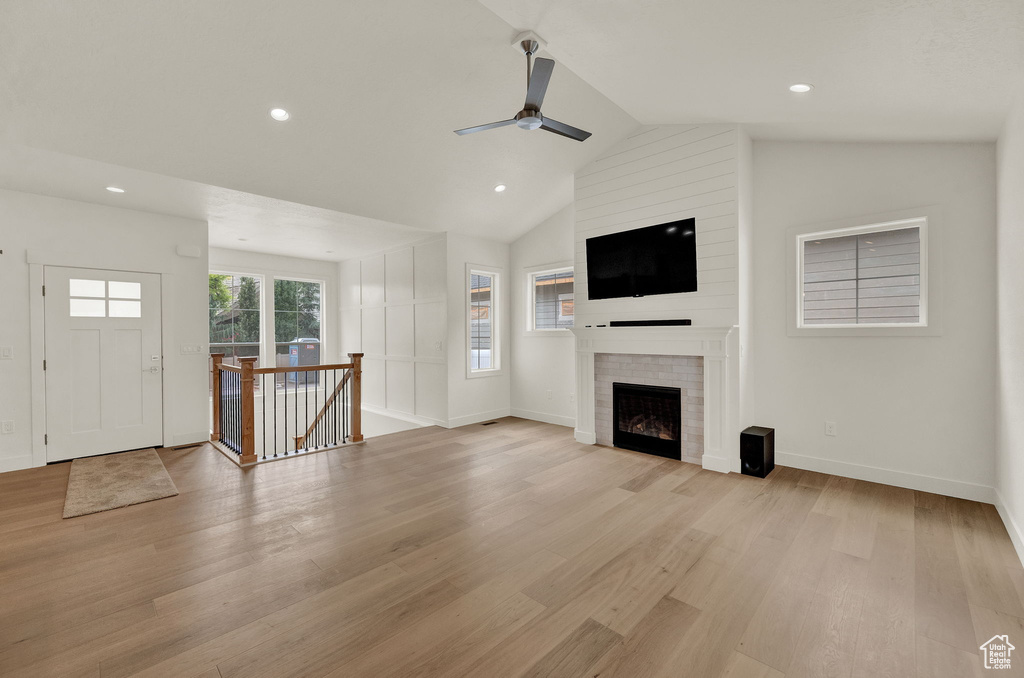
(539, 80)
(483, 128)
(565, 130)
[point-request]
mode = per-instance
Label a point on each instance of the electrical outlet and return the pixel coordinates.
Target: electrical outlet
(7, 427)
(830, 428)
(572, 397)
(547, 394)
(6, 353)
(437, 346)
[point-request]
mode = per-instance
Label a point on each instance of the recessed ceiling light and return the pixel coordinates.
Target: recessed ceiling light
(499, 188)
(801, 88)
(115, 189)
(243, 239)
(279, 114)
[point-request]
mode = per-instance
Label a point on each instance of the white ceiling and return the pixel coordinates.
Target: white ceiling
(375, 89)
(883, 69)
(171, 99)
(267, 225)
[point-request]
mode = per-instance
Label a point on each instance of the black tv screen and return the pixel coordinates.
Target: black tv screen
(658, 259)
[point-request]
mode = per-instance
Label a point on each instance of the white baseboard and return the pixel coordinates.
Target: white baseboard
(468, 419)
(585, 437)
(403, 416)
(720, 464)
(911, 481)
(544, 417)
(1015, 531)
(16, 463)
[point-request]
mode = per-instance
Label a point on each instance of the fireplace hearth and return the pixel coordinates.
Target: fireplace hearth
(647, 419)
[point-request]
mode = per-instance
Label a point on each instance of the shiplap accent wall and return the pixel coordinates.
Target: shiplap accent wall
(656, 175)
(394, 310)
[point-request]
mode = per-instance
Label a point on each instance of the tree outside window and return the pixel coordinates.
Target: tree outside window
(234, 316)
(297, 321)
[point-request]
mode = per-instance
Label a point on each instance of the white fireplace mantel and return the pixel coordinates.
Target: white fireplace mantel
(718, 346)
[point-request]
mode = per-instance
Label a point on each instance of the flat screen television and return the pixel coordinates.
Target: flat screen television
(658, 259)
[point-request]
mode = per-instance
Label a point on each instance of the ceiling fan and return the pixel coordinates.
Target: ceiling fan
(537, 79)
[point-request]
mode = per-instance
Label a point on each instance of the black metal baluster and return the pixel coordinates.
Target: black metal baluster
(296, 394)
(275, 414)
(285, 415)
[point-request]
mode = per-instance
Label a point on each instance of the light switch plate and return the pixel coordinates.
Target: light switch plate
(7, 427)
(6, 353)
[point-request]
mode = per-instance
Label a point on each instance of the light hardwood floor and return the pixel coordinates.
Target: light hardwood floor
(503, 550)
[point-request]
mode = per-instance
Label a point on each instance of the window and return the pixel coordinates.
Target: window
(297, 322)
(869, 276)
(483, 322)
(551, 294)
(104, 299)
(235, 316)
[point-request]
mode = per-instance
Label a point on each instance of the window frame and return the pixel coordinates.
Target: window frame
(531, 298)
(928, 219)
(259, 344)
(497, 364)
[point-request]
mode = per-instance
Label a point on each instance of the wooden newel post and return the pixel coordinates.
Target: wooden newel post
(357, 389)
(248, 411)
(216, 360)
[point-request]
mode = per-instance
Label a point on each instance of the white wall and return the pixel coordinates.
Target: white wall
(1010, 394)
(543, 376)
(656, 175)
(393, 309)
(478, 398)
(70, 233)
(915, 411)
(271, 266)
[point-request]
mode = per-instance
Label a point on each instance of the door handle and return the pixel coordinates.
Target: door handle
(153, 370)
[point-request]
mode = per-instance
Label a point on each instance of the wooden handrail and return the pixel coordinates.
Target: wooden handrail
(302, 368)
(245, 410)
(300, 440)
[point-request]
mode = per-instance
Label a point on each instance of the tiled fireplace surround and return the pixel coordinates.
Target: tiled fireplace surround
(677, 371)
(702, 361)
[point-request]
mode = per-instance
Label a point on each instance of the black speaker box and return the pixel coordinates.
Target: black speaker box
(757, 451)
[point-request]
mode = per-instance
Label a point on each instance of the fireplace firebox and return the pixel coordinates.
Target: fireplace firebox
(647, 419)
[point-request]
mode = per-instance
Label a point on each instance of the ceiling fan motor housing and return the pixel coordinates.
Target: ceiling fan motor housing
(529, 119)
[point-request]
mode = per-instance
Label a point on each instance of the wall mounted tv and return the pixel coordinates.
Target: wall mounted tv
(658, 259)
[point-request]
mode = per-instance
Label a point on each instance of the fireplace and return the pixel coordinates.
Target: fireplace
(647, 419)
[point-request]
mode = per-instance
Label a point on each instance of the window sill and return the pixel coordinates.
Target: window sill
(865, 331)
(478, 374)
(558, 332)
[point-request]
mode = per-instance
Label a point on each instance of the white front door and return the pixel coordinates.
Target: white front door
(104, 374)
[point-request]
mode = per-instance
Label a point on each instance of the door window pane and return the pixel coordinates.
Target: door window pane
(124, 290)
(88, 308)
(87, 288)
(125, 309)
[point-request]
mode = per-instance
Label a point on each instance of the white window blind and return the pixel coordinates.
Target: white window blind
(866, 278)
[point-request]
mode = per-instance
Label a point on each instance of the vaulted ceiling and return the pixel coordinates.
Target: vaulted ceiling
(180, 92)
